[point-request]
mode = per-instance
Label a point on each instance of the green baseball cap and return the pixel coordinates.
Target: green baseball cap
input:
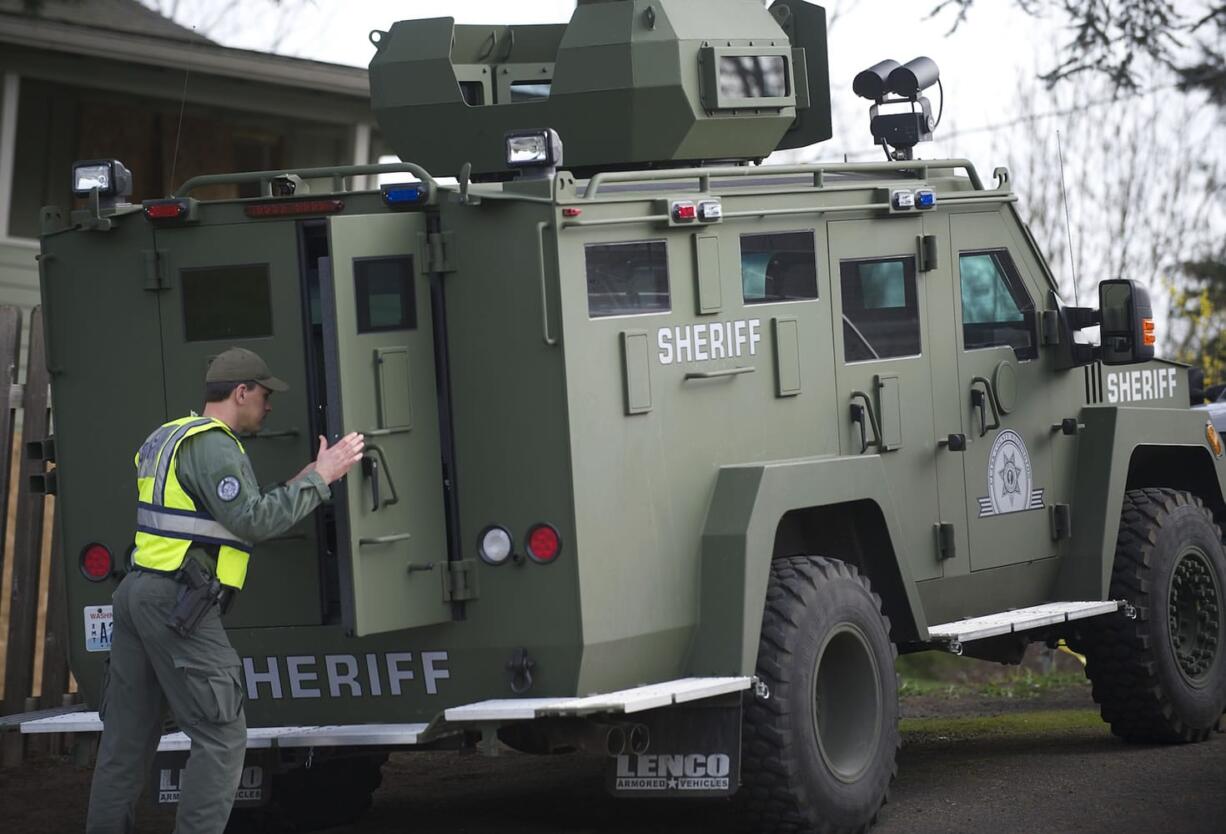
(242, 365)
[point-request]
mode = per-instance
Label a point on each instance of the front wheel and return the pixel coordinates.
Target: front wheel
(1162, 677)
(819, 752)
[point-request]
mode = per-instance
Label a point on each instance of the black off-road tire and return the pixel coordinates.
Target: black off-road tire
(330, 793)
(1162, 677)
(818, 754)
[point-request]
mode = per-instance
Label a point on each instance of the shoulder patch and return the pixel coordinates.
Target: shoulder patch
(228, 488)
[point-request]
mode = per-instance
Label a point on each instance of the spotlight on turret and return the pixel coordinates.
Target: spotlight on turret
(913, 77)
(899, 132)
(872, 82)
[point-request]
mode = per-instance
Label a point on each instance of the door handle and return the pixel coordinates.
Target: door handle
(863, 414)
(373, 462)
(981, 401)
(370, 469)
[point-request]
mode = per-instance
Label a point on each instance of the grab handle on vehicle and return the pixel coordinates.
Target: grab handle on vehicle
(981, 401)
(389, 539)
(540, 268)
(721, 373)
(864, 415)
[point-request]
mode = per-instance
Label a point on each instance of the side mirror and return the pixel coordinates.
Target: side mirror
(1127, 323)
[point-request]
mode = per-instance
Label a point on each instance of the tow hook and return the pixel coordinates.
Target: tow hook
(761, 690)
(519, 671)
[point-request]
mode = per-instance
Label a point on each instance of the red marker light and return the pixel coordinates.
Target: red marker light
(572, 212)
(294, 208)
(165, 210)
(544, 543)
(96, 562)
(685, 212)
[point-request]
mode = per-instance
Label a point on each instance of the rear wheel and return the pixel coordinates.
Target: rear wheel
(819, 752)
(1162, 676)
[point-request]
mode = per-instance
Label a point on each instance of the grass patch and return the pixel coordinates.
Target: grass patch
(1014, 724)
(942, 674)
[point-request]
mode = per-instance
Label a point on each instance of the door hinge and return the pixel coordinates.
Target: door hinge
(1061, 522)
(946, 546)
(155, 270)
(928, 260)
(438, 247)
(460, 581)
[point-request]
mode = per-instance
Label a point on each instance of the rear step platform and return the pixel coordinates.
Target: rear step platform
(349, 735)
(954, 634)
(405, 735)
(626, 701)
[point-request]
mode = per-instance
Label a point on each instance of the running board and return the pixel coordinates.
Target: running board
(349, 735)
(626, 701)
(403, 735)
(953, 635)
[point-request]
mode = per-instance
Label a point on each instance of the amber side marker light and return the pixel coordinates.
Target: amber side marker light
(1213, 439)
(1147, 330)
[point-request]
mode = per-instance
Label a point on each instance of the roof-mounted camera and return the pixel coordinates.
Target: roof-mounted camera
(900, 132)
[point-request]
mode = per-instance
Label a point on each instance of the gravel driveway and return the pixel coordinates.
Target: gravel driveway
(979, 765)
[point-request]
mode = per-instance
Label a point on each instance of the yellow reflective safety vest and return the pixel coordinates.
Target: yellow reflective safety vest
(168, 521)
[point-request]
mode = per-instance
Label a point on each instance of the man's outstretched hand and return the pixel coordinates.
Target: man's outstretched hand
(332, 462)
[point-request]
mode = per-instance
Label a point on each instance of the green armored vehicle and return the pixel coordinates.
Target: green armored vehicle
(669, 454)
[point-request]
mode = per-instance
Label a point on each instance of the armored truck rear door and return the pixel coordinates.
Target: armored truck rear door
(380, 365)
(238, 285)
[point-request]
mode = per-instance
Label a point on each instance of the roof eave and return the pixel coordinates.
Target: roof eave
(204, 58)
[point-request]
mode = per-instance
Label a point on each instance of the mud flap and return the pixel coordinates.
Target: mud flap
(253, 787)
(691, 751)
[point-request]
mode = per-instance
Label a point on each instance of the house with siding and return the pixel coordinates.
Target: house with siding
(111, 79)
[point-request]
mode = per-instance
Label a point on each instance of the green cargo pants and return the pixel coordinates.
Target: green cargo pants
(198, 678)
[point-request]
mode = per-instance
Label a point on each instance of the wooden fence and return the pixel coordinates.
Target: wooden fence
(33, 610)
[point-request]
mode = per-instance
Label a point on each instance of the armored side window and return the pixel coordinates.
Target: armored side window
(627, 278)
(226, 302)
(996, 309)
(753, 76)
(384, 288)
(530, 90)
(880, 309)
(778, 267)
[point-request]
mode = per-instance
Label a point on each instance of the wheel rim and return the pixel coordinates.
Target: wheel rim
(1195, 615)
(847, 708)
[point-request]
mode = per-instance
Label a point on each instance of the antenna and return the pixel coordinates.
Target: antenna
(1068, 225)
(179, 131)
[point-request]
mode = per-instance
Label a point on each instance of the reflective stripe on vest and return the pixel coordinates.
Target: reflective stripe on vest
(168, 521)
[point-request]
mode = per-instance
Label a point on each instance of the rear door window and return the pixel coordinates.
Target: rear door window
(226, 302)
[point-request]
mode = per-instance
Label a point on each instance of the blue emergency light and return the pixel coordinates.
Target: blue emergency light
(402, 195)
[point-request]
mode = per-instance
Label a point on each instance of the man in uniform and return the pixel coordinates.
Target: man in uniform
(198, 501)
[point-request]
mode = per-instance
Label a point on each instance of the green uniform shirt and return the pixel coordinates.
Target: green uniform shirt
(219, 476)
